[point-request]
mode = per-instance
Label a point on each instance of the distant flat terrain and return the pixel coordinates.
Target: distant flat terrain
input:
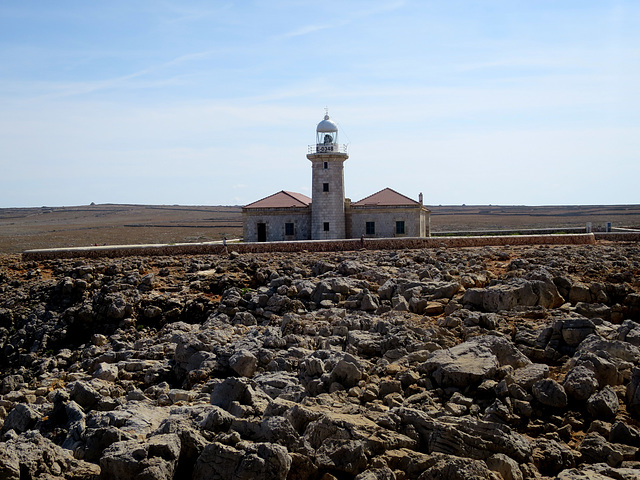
(112, 224)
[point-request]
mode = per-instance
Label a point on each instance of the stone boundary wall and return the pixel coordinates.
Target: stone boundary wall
(618, 236)
(320, 245)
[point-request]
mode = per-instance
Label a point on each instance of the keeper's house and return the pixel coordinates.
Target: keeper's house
(328, 215)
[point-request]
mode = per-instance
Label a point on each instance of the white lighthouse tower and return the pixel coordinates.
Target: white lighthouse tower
(327, 191)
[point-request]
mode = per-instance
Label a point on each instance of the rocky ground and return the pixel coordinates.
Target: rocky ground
(496, 362)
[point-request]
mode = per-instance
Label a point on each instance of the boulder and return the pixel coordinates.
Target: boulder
(30, 455)
(244, 363)
(107, 372)
(346, 373)
(464, 436)
(384, 473)
(626, 434)
(575, 330)
(241, 391)
(603, 404)
(551, 456)
(504, 296)
(455, 468)
(151, 459)
(580, 383)
(21, 418)
(594, 448)
(526, 376)
(506, 466)
(255, 461)
(549, 393)
(460, 366)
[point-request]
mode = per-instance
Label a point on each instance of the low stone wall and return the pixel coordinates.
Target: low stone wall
(313, 246)
(618, 236)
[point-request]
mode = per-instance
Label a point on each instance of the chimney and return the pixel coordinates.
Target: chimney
(420, 198)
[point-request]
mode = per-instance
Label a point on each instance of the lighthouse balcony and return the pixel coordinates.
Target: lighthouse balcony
(327, 148)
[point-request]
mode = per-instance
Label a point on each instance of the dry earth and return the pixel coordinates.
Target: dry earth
(52, 227)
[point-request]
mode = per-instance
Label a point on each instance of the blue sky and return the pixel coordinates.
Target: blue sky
(214, 103)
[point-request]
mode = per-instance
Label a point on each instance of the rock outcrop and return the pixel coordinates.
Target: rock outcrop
(480, 363)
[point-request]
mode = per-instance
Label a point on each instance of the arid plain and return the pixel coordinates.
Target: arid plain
(51, 227)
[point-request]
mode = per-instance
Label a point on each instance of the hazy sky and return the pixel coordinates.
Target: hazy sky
(215, 102)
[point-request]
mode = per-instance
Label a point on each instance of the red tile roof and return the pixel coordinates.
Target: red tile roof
(386, 197)
(282, 199)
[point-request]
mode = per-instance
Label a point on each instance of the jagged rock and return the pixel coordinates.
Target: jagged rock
(626, 434)
(30, 455)
(244, 363)
(384, 473)
(256, 461)
(528, 375)
(465, 437)
(580, 383)
(551, 457)
(240, 391)
(503, 297)
(575, 330)
(346, 373)
(594, 448)
(152, 459)
(472, 361)
(603, 404)
(84, 394)
(21, 418)
(97, 439)
(344, 442)
(462, 365)
(244, 318)
(357, 383)
(107, 372)
(507, 467)
(549, 393)
(455, 468)
(599, 471)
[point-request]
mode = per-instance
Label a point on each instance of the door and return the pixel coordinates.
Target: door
(262, 232)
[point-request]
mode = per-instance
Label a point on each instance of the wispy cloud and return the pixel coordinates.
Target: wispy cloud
(307, 30)
(345, 18)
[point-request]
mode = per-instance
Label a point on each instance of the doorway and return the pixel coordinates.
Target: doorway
(262, 232)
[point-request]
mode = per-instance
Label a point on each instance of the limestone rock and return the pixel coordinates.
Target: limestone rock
(464, 364)
(603, 404)
(256, 461)
(550, 393)
(580, 383)
(21, 418)
(155, 458)
(30, 455)
(455, 468)
(244, 363)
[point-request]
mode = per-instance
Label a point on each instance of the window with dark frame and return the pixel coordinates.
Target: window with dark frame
(326, 165)
(289, 229)
(326, 226)
(370, 228)
(400, 227)
(325, 187)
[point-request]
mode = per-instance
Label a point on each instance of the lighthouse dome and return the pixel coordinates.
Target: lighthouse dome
(327, 125)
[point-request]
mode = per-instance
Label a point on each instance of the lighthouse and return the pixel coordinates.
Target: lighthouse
(327, 158)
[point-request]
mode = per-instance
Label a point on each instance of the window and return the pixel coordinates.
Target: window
(326, 226)
(400, 227)
(288, 229)
(326, 165)
(370, 228)
(325, 187)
